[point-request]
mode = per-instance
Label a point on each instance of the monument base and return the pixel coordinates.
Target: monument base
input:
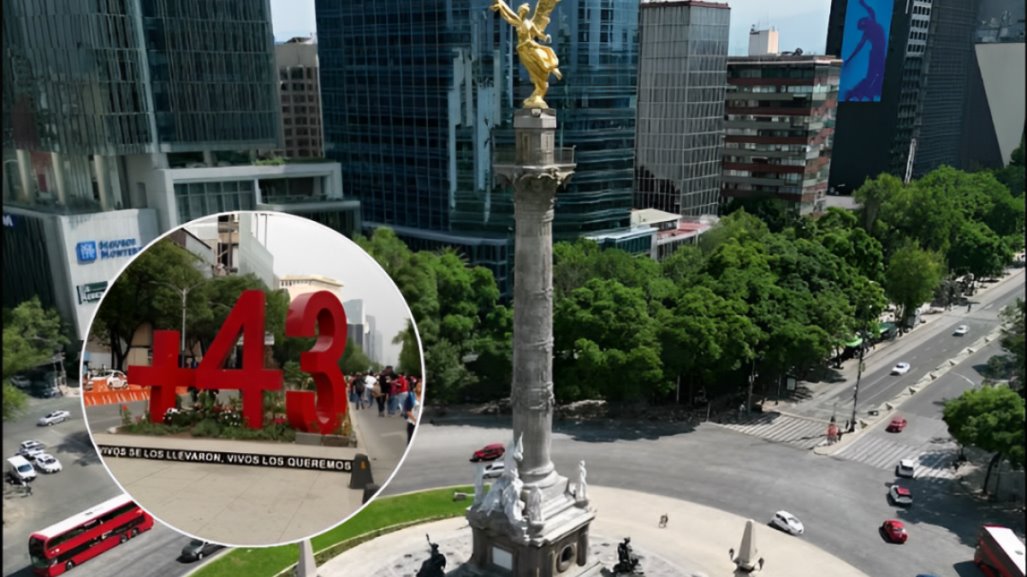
(556, 547)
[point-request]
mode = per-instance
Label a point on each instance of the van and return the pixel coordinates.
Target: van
(21, 470)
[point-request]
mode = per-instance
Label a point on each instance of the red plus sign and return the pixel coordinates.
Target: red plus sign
(163, 376)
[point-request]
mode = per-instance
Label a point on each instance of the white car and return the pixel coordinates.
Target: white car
(788, 523)
(115, 380)
(21, 381)
(961, 330)
(47, 463)
(53, 418)
(905, 468)
(900, 369)
(494, 470)
(30, 449)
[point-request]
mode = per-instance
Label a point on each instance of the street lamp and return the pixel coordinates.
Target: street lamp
(185, 295)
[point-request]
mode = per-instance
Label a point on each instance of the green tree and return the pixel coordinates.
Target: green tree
(979, 251)
(1013, 339)
(144, 294)
(912, 276)
(355, 361)
(606, 345)
(872, 196)
(1013, 173)
(32, 336)
(991, 419)
(775, 213)
(740, 226)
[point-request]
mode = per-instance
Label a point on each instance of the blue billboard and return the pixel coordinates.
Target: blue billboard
(864, 50)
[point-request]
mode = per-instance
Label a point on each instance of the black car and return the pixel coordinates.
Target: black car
(197, 550)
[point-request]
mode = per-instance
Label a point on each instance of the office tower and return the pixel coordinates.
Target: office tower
(417, 98)
(994, 118)
(902, 95)
(122, 120)
(779, 123)
(681, 83)
(300, 93)
(763, 42)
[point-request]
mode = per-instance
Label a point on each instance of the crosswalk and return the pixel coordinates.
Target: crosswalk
(779, 428)
(933, 460)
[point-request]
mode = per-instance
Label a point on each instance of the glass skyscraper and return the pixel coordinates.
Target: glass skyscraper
(417, 96)
(681, 84)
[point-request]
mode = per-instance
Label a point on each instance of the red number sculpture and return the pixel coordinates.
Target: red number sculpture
(247, 317)
(163, 376)
(321, 362)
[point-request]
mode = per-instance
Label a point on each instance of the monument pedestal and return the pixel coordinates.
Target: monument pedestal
(550, 538)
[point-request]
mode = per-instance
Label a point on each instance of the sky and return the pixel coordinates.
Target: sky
(800, 23)
(303, 247)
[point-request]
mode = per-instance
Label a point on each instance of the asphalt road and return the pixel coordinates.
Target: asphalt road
(83, 482)
(924, 348)
(842, 503)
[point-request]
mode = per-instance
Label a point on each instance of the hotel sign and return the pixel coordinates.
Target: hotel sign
(91, 250)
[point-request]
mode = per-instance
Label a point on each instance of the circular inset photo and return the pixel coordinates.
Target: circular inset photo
(252, 378)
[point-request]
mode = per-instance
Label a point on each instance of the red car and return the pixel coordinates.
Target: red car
(488, 453)
(896, 425)
(894, 531)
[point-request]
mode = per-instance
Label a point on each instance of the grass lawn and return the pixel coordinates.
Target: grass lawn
(383, 512)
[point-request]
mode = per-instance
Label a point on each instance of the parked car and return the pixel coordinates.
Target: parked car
(31, 449)
(494, 470)
(197, 550)
(896, 425)
(47, 463)
(900, 369)
(905, 468)
(114, 380)
(961, 330)
(900, 495)
(21, 381)
(788, 523)
(894, 531)
(488, 453)
(53, 418)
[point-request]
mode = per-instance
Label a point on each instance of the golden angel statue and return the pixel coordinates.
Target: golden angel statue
(539, 60)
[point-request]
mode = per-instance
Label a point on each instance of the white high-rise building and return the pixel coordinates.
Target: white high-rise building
(763, 42)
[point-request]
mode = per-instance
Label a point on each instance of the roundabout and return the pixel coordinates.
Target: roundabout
(696, 541)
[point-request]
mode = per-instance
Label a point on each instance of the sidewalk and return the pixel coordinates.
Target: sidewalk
(695, 542)
(236, 504)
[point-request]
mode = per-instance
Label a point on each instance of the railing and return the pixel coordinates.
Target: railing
(508, 155)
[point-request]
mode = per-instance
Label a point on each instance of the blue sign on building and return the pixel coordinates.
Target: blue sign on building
(86, 251)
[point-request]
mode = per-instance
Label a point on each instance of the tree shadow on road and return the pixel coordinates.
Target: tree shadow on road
(599, 430)
(79, 447)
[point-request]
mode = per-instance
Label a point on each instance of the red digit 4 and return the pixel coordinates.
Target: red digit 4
(247, 317)
(321, 314)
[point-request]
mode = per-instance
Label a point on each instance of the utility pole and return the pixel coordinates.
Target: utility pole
(859, 375)
(752, 380)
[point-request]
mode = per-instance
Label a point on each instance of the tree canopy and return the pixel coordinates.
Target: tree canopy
(32, 336)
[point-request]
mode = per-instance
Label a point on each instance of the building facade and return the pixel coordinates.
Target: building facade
(779, 128)
(903, 94)
(417, 97)
(300, 93)
(681, 83)
(151, 111)
(763, 42)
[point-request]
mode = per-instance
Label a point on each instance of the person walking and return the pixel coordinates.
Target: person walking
(357, 394)
(401, 390)
(412, 410)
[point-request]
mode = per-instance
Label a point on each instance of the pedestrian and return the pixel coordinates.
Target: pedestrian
(664, 519)
(412, 410)
(379, 396)
(761, 563)
(969, 306)
(401, 390)
(731, 553)
(358, 390)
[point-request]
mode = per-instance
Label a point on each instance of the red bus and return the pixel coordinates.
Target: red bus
(77, 539)
(1000, 553)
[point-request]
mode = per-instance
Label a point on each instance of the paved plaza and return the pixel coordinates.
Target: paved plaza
(696, 542)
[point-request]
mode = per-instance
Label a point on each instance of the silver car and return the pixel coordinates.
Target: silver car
(53, 418)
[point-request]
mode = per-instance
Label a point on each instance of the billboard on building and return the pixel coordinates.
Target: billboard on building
(864, 50)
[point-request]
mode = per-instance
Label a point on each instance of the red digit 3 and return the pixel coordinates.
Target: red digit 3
(321, 314)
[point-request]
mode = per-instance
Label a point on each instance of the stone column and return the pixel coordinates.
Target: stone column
(535, 185)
